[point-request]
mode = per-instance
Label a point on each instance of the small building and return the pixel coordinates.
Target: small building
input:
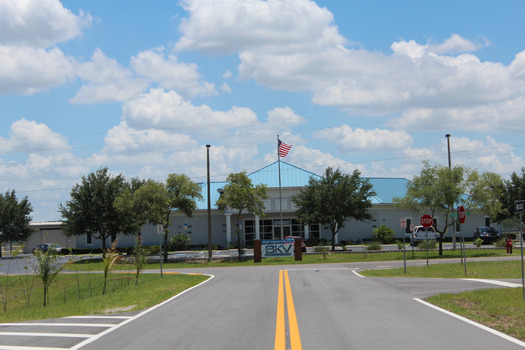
(226, 224)
(48, 232)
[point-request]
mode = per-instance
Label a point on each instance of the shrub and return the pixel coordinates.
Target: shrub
(383, 234)
(478, 242)
(501, 243)
(373, 246)
(430, 244)
(179, 242)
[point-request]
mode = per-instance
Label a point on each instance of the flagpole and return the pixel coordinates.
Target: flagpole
(280, 194)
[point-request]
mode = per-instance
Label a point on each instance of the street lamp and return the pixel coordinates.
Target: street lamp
(450, 171)
(210, 243)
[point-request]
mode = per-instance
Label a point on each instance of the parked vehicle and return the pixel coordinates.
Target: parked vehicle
(487, 234)
(303, 245)
(420, 234)
(50, 246)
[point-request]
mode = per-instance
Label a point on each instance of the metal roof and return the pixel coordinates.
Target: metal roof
(292, 176)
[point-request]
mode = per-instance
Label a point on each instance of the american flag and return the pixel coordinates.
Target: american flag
(282, 149)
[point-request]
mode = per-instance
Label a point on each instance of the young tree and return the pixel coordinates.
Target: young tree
(484, 193)
(241, 195)
(48, 265)
(157, 201)
(14, 218)
(437, 189)
(333, 199)
(513, 190)
(91, 209)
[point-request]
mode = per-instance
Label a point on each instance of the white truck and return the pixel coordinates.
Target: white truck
(420, 235)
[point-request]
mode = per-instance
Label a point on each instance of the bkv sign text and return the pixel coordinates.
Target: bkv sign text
(273, 248)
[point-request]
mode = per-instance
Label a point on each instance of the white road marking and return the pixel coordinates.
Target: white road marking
(499, 283)
(89, 337)
(479, 325)
(59, 324)
(357, 273)
(42, 334)
(101, 334)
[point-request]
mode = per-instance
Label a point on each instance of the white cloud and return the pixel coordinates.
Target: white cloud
(317, 161)
(226, 88)
(27, 70)
(107, 81)
(30, 136)
(168, 110)
(282, 118)
(40, 23)
(230, 26)
(497, 116)
(295, 46)
(348, 139)
(171, 74)
(456, 44)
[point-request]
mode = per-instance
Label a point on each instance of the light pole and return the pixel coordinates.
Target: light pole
(210, 243)
(451, 204)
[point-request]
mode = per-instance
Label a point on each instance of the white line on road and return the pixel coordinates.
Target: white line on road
(499, 283)
(479, 325)
(54, 335)
(357, 273)
(100, 335)
(35, 324)
(109, 317)
(13, 347)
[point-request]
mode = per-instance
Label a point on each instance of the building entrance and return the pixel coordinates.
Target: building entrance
(277, 230)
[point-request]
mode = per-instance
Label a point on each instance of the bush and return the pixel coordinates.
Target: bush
(373, 246)
(501, 243)
(383, 234)
(478, 242)
(179, 242)
(312, 242)
(427, 244)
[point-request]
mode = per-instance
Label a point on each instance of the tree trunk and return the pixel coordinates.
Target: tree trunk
(104, 245)
(333, 240)
(165, 252)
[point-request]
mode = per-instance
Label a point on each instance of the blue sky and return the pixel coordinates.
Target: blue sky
(141, 87)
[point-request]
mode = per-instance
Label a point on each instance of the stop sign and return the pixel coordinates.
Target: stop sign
(461, 214)
(426, 221)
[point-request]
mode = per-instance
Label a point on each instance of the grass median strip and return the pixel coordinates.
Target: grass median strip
(81, 294)
(340, 257)
(502, 309)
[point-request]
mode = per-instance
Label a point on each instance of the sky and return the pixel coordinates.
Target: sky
(141, 87)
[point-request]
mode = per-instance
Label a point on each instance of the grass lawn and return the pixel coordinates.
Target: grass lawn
(502, 309)
(81, 294)
(307, 259)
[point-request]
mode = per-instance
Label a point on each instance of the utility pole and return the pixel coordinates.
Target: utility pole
(210, 242)
(451, 204)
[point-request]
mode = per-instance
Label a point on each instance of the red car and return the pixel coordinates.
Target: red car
(303, 246)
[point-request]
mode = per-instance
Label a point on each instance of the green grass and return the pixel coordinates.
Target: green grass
(475, 269)
(81, 294)
(501, 309)
(307, 259)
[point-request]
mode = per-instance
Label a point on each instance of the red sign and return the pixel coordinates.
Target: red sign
(461, 214)
(426, 220)
(403, 223)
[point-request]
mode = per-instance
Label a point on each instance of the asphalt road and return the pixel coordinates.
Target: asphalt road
(335, 308)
